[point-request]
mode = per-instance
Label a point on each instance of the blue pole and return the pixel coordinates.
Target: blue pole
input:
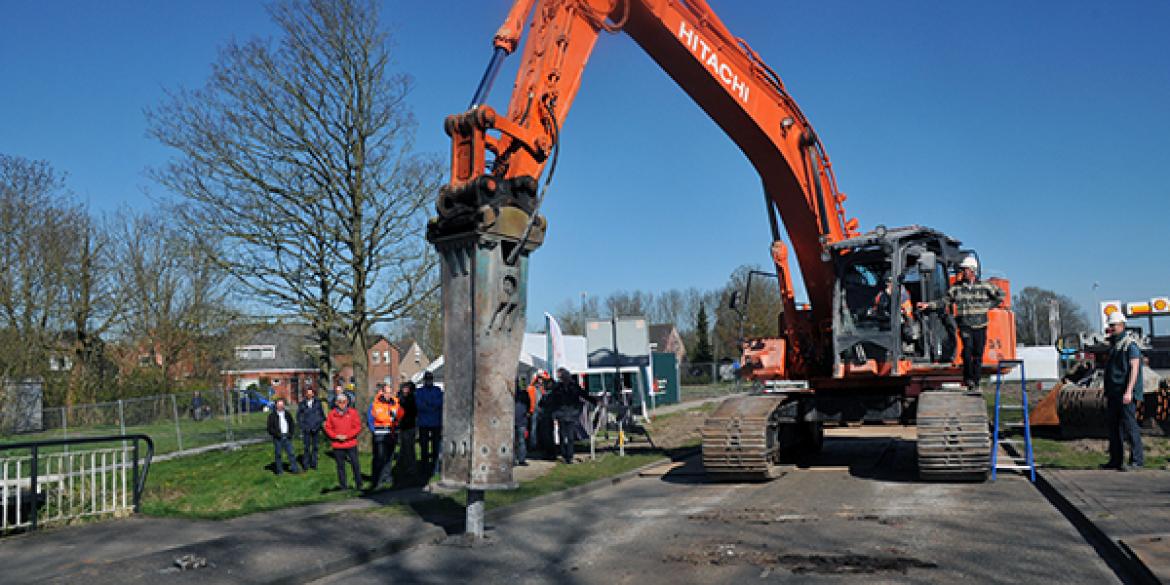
(1027, 422)
(995, 435)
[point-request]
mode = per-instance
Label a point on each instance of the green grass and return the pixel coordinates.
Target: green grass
(226, 484)
(1085, 454)
(1057, 453)
(223, 485)
(164, 435)
(688, 392)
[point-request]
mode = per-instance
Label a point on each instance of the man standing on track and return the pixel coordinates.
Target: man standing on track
(972, 300)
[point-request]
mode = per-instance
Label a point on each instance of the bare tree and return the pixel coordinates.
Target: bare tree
(760, 311)
(94, 301)
(573, 315)
(627, 303)
(298, 157)
(177, 298)
(424, 326)
(669, 307)
(35, 252)
(1033, 309)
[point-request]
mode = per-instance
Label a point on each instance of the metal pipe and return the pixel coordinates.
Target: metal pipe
(33, 480)
(489, 77)
(178, 430)
(474, 521)
(137, 490)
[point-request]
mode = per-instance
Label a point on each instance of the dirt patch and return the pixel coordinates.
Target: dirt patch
(752, 516)
(740, 553)
(782, 516)
(849, 563)
(680, 429)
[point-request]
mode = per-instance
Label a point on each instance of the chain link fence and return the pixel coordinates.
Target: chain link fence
(176, 422)
(708, 379)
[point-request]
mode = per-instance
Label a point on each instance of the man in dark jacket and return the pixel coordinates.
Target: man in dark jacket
(281, 427)
(522, 406)
(310, 417)
(408, 428)
(565, 404)
(429, 399)
(1123, 391)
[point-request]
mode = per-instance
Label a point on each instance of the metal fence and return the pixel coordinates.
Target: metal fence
(60, 481)
(176, 422)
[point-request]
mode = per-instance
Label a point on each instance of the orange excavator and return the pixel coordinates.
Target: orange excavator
(852, 353)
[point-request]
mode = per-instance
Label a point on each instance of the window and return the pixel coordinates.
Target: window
(59, 363)
(385, 357)
(255, 352)
(373, 357)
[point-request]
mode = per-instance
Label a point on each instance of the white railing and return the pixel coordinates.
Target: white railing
(74, 480)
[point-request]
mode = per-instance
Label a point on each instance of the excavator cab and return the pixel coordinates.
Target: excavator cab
(881, 277)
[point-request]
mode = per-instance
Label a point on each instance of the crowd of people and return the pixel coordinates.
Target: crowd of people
(549, 420)
(549, 416)
(394, 419)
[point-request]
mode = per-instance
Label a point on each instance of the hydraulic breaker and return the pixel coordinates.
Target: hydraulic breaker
(484, 232)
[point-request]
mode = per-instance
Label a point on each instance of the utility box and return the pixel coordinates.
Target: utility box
(632, 346)
(665, 387)
(22, 406)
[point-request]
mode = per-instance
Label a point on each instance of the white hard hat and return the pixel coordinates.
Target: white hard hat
(1114, 318)
(969, 262)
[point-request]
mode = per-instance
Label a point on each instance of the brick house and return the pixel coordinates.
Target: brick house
(664, 338)
(381, 363)
(413, 362)
(280, 354)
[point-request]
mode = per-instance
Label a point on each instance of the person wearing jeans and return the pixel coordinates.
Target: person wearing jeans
(310, 417)
(383, 418)
(429, 400)
(407, 429)
(521, 408)
(280, 428)
(1123, 390)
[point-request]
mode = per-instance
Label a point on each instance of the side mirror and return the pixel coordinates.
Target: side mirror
(927, 262)
(733, 302)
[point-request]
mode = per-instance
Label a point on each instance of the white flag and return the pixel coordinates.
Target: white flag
(556, 346)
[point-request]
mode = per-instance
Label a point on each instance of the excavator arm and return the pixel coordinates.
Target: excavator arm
(488, 213)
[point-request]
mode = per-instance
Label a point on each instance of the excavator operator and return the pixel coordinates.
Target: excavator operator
(972, 300)
(881, 309)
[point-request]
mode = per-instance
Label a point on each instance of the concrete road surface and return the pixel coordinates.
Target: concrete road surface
(857, 514)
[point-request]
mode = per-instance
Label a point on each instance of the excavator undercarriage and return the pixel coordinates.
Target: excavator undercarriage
(752, 437)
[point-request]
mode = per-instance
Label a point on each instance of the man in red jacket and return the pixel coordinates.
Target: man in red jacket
(342, 427)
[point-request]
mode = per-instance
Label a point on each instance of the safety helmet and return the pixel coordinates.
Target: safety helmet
(1114, 318)
(969, 262)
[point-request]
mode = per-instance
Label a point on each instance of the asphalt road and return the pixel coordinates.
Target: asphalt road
(858, 514)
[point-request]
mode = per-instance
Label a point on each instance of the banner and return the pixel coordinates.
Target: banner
(556, 345)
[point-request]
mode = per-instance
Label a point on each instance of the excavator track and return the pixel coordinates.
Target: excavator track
(740, 439)
(954, 441)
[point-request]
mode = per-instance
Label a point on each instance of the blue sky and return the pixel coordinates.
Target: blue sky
(1036, 132)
